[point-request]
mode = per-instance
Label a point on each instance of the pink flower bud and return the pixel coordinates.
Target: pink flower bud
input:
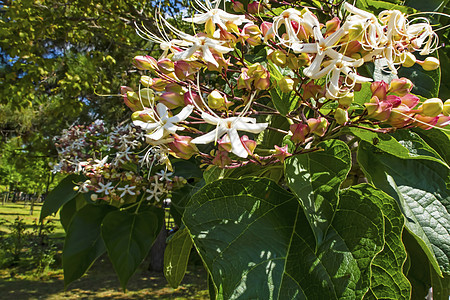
(379, 110)
(311, 90)
(410, 100)
(221, 159)
(244, 80)
(332, 26)
(400, 116)
(318, 126)
(282, 152)
(400, 86)
(255, 8)
(263, 82)
(190, 97)
(183, 69)
(224, 143)
(299, 132)
(394, 100)
(251, 29)
(145, 62)
(248, 144)
(166, 66)
(238, 6)
(171, 100)
(379, 89)
(265, 26)
(182, 147)
(353, 49)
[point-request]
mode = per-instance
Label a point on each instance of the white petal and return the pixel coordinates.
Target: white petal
(209, 137)
(236, 144)
(305, 48)
(162, 110)
(182, 115)
(315, 66)
(207, 56)
(158, 134)
(210, 119)
(253, 128)
(198, 19)
(145, 125)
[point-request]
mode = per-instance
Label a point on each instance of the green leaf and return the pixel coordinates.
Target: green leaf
(364, 95)
(403, 144)
(128, 238)
(441, 286)
(214, 173)
(83, 243)
(187, 169)
(180, 198)
(419, 186)
(426, 83)
(68, 212)
(61, 194)
(388, 280)
(176, 257)
(418, 267)
(256, 242)
(438, 140)
(283, 102)
(428, 6)
(315, 179)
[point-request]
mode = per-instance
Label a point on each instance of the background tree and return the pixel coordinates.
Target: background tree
(58, 60)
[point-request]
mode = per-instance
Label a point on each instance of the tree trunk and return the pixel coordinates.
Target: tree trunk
(157, 251)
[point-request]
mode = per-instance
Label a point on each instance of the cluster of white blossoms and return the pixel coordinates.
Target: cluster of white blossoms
(109, 161)
(182, 97)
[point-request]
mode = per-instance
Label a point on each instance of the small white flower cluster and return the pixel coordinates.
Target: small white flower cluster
(116, 177)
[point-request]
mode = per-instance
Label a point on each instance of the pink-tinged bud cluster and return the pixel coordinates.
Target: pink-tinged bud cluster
(255, 76)
(182, 147)
(282, 153)
(395, 105)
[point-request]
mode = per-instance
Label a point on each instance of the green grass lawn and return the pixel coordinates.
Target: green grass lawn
(100, 282)
(10, 211)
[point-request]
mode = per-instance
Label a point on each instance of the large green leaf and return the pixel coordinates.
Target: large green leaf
(176, 257)
(315, 179)
(128, 238)
(61, 194)
(388, 280)
(83, 243)
(438, 140)
(403, 143)
(419, 186)
(68, 211)
(257, 243)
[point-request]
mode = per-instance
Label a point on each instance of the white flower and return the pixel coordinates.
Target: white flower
(100, 163)
(203, 44)
(164, 175)
(123, 156)
(164, 125)
(230, 126)
(104, 188)
(127, 189)
(217, 16)
(157, 189)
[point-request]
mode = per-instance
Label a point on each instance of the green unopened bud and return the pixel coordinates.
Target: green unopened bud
(146, 80)
(278, 57)
(318, 126)
(143, 115)
(94, 197)
(145, 62)
(147, 96)
(210, 27)
(446, 110)
(341, 116)
(76, 188)
(216, 100)
(286, 84)
(432, 107)
(430, 63)
(408, 59)
(347, 100)
(303, 59)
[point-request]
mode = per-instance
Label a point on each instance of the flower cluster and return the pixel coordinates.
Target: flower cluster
(242, 71)
(111, 162)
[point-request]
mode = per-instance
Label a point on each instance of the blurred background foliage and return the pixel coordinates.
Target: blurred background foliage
(58, 61)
